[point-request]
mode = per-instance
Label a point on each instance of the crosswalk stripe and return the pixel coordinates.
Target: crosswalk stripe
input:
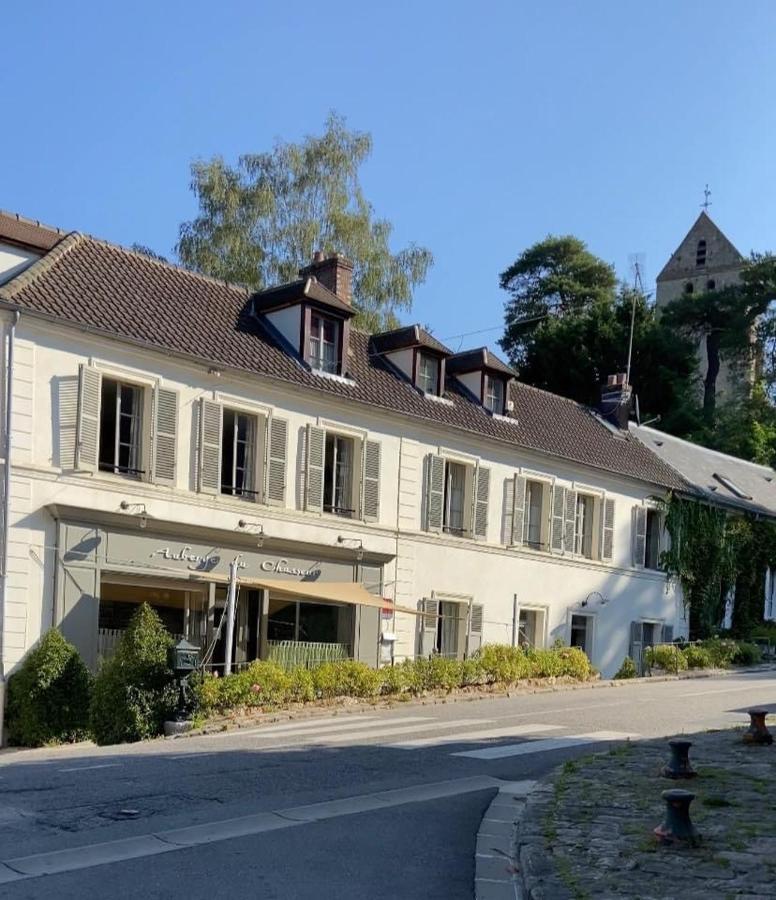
(480, 735)
(526, 748)
(306, 725)
(375, 733)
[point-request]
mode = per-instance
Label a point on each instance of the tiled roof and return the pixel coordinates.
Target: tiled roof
(301, 289)
(129, 295)
(481, 358)
(15, 229)
(408, 336)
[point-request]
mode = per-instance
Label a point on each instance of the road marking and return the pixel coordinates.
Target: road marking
(481, 735)
(87, 857)
(306, 725)
(372, 734)
(723, 691)
(525, 748)
(88, 768)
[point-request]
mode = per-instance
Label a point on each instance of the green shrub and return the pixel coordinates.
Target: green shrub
(666, 656)
(698, 657)
(302, 686)
(472, 672)
(627, 669)
(346, 678)
(134, 691)
(502, 664)
(721, 651)
(48, 698)
(395, 679)
(747, 654)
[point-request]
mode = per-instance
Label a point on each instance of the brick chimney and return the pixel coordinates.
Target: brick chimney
(334, 272)
(616, 401)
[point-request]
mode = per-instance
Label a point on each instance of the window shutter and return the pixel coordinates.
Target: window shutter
(316, 449)
(607, 529)
(570, 521)
(636, 630)
(435, 492)
(481, 497)
(477, 615)
(427, 625)
(558, 511)
(88, 430)
(518, 517)
(639, 535)
(276, 445)
(509, 511)
(165, 438)
(668, 634)
(210, 424)
(68, 421)
(370, 491)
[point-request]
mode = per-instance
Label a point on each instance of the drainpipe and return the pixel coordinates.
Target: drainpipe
(231, 602)
(6, 511)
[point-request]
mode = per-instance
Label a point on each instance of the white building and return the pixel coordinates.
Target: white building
(164, 423)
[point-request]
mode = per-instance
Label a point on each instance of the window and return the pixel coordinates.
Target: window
(338, 475)
(428, 373)
(238, 455)
(583, 539)
(494, 394)
(530, 629)
(454, 520)
(652, 546)
(582, 633)
(688, 288)
(700, 253)
(121, 415)
(324, 341)
(449, 630)
(533, 526)
(711, 284)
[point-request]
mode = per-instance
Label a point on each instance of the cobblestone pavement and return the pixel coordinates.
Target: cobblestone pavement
(588, 831)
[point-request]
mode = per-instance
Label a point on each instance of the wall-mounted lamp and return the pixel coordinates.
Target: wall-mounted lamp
(356, 543)
(137, 509)
(257, 529)
(594, 595)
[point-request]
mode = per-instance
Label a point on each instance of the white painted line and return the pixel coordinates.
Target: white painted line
(89, 768)
(373, 734)
(305, 725)
(526, 748)
(736, 690)
(481, 735)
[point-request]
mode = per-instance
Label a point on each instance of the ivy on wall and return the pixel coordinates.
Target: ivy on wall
(713, 551)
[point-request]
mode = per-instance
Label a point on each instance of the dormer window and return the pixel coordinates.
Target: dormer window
(323, 344)
(428, 373)
(485, 376)
(494, 394)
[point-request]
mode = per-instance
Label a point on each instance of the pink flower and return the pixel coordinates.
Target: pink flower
(256, 688)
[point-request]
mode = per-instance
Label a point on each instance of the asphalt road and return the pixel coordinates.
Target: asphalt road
(362, 803)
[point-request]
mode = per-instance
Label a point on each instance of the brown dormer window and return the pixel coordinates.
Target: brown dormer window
(493, 394)
(323, 345)
(427, 378)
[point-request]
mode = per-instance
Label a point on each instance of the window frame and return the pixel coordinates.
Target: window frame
(543, 544)
(585, 501)
(141, 471)
(256, 445)
(422, 357)
(590, 629)
(488, 380)
(330, 474)
(316, 362)
(540, 633)
(653, 515)
(701, 253)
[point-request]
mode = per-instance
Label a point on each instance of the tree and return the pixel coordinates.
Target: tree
(552, 279)
(260, 221)
(147, 251)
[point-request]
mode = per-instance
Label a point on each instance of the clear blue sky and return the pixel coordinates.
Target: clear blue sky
(494, 124)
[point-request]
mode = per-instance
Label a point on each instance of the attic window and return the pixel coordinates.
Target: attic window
(428, 374)
(732, 487)
(324, 344)
(494, 394)
(700, 253)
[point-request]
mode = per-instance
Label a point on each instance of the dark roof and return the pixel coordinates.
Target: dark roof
(33, 235)
(473, 360)
(110, 290)
(408, 336)
(301, 289)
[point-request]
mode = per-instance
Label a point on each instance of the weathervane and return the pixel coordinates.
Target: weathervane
(706, 194)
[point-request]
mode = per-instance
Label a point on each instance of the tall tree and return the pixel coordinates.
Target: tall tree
(552, 279)
(260, 221)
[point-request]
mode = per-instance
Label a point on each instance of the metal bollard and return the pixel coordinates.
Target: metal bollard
(679, 765)
(758, 732)
(677, 828)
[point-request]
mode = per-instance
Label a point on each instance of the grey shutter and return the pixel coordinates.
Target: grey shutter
(276, 445)
(635, 649)
(476, 620)
(607, 529)
(435, 492)
(558, 514)
(570, 521)
(316, 450)
(370, 489)
(668, 634)
(639, 535)
(165, 438)
(67, 413)
(210, 425)
(427, 626)
(88, 431)
(518, 516)
(481, 497)
(508, 511)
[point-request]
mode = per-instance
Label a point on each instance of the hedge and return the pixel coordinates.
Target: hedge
(268, 685)
(713, 653)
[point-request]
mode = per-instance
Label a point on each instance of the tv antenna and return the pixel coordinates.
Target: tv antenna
(637, 268)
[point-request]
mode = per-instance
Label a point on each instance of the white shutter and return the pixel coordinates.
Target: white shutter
(481, 498)
(67, 413)
(427, 626)
(276, 445)
(88, 431)
(570, 521)
(435, 492)
(476, 621)
(165, 435)
(316, 451)
(558, 515)
(639, 535)
(607, 529)
(518, 516)
(370, 490)
(210, 425)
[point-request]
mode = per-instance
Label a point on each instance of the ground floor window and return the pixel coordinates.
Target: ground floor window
(308, 632)
(582, 633)
(450, 630)
(530, 630)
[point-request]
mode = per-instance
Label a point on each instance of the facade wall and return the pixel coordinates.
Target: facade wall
(420, 564)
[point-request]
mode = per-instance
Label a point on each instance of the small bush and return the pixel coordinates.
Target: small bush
(395, 679)
(667, 657)
(48, 698)
(627, 669)
(698, 657)
(472, 672)
(302, 685)
(346, 678)
(721, 650)
(134, 691)
(502, 664)
(747, 654)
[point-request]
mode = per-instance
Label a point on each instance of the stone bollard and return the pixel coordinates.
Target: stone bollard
(758, 732)
(677, 827)
(679, 765)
